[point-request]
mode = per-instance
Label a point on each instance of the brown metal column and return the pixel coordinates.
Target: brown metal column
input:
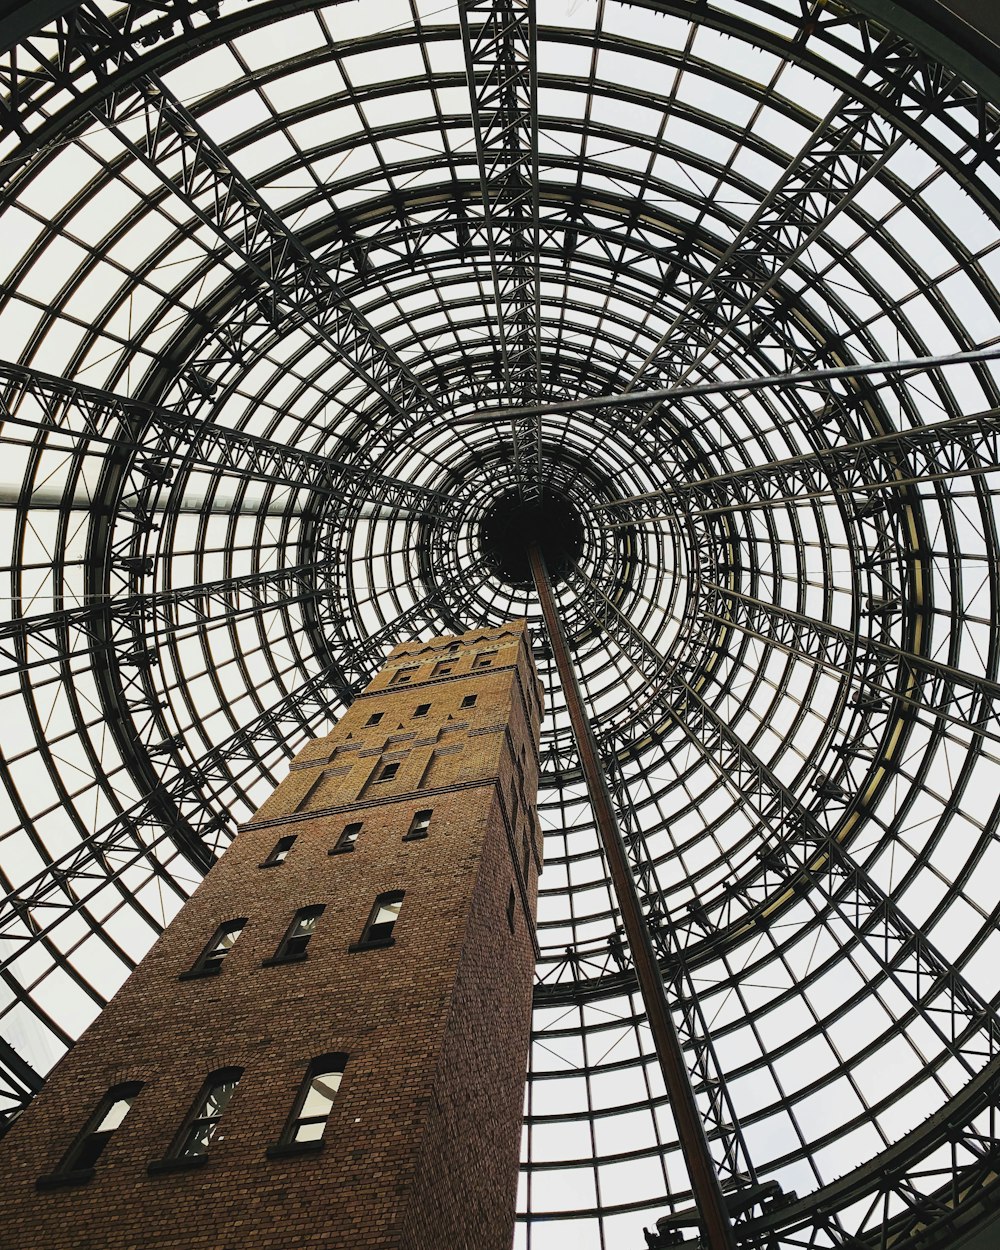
(708, 1197)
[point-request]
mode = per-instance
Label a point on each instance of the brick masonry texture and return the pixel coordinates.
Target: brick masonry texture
(420, 1150)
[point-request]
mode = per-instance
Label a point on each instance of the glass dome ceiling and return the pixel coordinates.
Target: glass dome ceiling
(287, 308)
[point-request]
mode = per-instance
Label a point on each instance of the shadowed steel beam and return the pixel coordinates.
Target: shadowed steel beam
(690, 1129)
(881, 463)
(806, 377)
(57, 408)
(45, 637)
(500, 42)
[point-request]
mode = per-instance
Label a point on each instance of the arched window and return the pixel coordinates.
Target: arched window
(381, 921)
(78, 1162)
(209, 962)
(190, 1146)
(311, 1109)
(292, 946)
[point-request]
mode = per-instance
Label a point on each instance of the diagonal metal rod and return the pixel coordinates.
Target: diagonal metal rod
(690, 1129)
(624, 399)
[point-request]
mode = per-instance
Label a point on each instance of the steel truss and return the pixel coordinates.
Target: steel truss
(718, 525)
(500, 42)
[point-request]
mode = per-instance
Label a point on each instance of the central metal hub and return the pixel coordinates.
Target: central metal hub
(512, 524)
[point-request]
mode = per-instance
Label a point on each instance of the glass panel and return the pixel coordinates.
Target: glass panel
(114, 1115)
(312, 1131)
(306, 925)
(387, 913)
(321, 1094)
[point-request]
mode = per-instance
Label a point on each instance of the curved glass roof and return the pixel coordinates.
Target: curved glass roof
(293, 293)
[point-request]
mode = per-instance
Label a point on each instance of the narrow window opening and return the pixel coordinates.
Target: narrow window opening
(77, 1165)
(279, 852)
(374, 718)
(347, 839)
(388, 772)
(510, 909)
(312, 1106)
(422, 709)
(209, 962)
(381, 921)
(469, 700)
(293, 945)
(190, 1146)
(419, 826)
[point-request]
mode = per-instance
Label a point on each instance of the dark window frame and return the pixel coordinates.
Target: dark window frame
(179, 1157)
(78, 1164)
(287, 952)
(279, 852)
(286, 1145)
(376, 935)
(205, 965)
(419, 825)
(348, 838)
(373, 719)
(511, 909)
(421, 709)
(403, 675)
(469, 701)
(394, 766)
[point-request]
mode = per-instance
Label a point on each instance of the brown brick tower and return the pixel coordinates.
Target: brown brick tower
(327, 1046)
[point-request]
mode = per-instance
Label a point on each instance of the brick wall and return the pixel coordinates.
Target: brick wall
(420, 1150)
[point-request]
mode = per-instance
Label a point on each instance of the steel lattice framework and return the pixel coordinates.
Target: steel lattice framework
(291, 293)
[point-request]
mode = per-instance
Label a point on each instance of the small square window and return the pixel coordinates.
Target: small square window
(388, 772)
(469, 700)
(422, 709)
(419, 826)
(404, 675)
(374, 718)
(485, 660)
(347, 839)
(443, 668)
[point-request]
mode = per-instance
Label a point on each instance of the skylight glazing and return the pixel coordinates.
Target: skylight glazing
(263, 287)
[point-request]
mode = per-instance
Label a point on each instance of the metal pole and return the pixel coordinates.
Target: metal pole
(717, 1226)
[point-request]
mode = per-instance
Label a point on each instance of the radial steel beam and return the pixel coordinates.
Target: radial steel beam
(847, 148)
(691, 1131)
(57, 408)
(290, 284)
(777, 381)
(802, 854)
(927, 685)
(964, 445)
(500, 43)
